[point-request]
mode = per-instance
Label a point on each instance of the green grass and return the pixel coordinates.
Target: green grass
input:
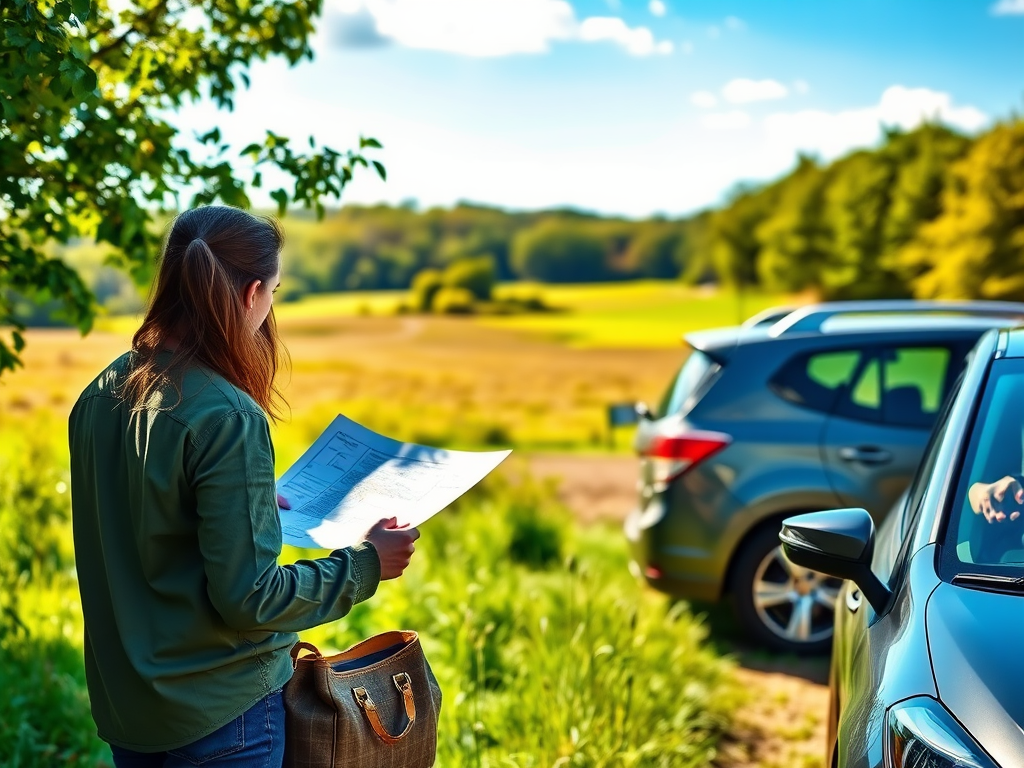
(650, 313)
(547, 651)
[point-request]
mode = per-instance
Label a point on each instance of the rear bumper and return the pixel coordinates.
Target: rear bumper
(686, 572)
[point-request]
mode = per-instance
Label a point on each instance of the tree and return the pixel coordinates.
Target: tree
(796, 239)
(732, 241)
(559, 251)
(975, 248)
(86, 146)
(656, 251)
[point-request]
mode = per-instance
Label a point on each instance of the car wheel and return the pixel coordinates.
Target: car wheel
(779, 604)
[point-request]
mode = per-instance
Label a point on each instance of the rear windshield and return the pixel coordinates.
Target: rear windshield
(995, 454)
(688, 384)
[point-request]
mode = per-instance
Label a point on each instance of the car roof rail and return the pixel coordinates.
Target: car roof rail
(810, 319)
(768, 316)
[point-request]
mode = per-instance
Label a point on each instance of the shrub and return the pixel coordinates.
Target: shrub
(476, 275)
(454, 301)
(425, 287)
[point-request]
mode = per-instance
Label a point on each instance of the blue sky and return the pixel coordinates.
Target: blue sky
(630, 107)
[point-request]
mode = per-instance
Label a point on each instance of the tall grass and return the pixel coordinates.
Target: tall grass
(548, 653)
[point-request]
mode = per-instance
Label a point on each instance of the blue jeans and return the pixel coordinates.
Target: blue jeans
(254, 739)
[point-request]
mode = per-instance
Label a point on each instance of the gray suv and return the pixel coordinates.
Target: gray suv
(796, 411)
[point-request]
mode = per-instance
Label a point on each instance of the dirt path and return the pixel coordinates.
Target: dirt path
(782, 724)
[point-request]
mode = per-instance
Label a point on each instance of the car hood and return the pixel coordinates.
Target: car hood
(974, 638)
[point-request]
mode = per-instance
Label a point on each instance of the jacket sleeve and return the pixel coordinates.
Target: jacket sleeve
(232, 475)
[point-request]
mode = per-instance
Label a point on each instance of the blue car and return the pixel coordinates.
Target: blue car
(928, 667)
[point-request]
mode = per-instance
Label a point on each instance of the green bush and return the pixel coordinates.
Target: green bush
(454, 301)
(476, 275)
(425, 287)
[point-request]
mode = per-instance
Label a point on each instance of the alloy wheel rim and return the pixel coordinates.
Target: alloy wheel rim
(794, 603)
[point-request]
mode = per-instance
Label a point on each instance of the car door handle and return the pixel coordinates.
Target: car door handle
(865, 454)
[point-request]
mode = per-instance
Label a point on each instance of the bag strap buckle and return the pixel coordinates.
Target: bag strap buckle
(404, 685)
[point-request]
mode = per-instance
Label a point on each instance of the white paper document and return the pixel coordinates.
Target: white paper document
(352, 477)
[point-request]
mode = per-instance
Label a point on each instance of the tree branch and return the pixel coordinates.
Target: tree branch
(141, 26)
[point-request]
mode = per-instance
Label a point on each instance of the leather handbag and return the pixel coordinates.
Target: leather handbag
(372, 706)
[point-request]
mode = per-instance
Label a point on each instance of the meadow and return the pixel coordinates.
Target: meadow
(548, 651)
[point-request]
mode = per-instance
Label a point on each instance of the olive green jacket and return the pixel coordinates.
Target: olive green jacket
(188, 617)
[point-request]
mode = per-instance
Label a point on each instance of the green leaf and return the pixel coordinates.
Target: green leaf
(280, 196)
(369, 142)
(81, 8)
(257, 180)
(380, 170)
(251, 149)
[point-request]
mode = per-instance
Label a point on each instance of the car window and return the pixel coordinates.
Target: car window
(816, 380)
(893, 534)
(900, 387)
(994, 452)
(687, 384)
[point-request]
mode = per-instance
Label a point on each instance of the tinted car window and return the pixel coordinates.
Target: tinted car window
(695, 372)
(816, 380)
(994, 452)
(900, 387)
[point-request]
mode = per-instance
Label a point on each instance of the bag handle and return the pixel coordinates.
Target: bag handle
(404, 684)
(303, 646)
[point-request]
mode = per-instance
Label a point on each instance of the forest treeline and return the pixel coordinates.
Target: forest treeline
(927, 213)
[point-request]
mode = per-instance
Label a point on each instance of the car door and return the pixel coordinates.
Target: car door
(873, 440)
(861, 646)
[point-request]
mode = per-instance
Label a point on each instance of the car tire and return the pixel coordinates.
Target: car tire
(779, 605)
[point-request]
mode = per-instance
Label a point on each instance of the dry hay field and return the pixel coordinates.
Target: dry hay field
(537, 383)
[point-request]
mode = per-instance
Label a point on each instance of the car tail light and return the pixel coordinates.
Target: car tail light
(671, 456)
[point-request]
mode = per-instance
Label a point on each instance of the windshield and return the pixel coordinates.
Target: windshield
(683, 391)
(986, 527)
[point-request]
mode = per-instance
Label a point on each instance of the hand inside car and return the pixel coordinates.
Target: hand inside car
(987, 498)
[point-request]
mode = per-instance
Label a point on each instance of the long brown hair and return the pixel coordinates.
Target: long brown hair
(212, 253)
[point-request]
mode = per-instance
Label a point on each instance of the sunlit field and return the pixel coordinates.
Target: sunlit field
(548, 651)
(536, 382)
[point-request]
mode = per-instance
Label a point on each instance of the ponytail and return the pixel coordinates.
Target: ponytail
(211, 255)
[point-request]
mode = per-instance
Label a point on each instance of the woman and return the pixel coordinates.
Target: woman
(189, 619)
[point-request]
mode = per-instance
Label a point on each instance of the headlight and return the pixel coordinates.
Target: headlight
(922, 734)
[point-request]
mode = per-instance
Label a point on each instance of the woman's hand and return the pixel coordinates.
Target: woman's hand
(984, 496)
(394, 546)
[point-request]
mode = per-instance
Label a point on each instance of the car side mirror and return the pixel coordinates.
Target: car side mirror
(840, 543)
(642, 412)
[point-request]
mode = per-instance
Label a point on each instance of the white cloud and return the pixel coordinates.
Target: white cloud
(801, 86)
(638, 41)
(726, 121)
(734, 23)
(833, 133)
(704, 99)
(657, 7)
(485, 27)
(743, 91)
(1008, 8)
